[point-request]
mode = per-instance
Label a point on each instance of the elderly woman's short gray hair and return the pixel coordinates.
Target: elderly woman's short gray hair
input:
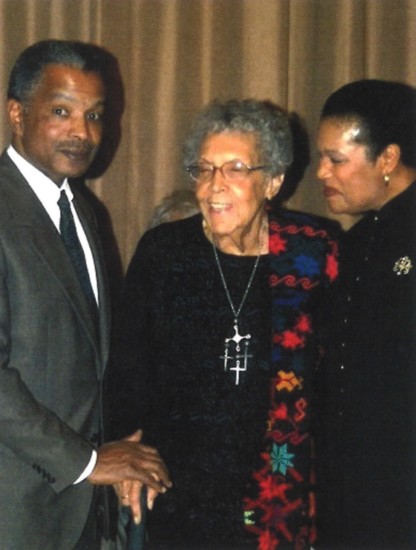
(269, 123)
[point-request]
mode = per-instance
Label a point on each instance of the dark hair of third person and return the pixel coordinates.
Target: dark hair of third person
(384, 111)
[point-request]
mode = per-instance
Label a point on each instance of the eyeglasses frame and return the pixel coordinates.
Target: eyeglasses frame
(214, 168)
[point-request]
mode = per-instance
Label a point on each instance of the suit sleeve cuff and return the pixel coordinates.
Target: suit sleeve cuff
(90, 467)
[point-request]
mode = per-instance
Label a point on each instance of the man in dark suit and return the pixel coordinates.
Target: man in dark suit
(54, 322)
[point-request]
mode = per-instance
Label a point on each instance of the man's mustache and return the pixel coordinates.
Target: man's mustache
(77, 147)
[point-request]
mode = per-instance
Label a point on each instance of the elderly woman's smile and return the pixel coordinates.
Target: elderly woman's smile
(218, 207)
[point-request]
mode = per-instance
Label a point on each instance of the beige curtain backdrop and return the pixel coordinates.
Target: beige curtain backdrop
(177, 55)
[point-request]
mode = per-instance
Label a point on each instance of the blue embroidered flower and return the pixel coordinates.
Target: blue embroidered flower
(306, 265)
(281, 460)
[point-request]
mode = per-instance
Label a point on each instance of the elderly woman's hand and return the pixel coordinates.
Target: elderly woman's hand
(129, 494)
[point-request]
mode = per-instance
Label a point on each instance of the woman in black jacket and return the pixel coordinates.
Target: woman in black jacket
(366, 430)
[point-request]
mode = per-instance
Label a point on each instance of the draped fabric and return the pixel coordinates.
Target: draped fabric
(176, 55)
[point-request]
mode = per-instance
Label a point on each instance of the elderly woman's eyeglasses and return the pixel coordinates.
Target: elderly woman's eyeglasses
(234, 171)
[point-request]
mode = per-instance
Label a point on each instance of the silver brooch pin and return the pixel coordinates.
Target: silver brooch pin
(403, 266)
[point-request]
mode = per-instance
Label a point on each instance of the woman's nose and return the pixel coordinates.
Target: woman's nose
(323, 171)
(218, 181)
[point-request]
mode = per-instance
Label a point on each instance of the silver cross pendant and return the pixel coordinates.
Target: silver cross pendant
(239, 361)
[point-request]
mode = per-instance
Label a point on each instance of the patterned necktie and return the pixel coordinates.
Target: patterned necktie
(72, 243)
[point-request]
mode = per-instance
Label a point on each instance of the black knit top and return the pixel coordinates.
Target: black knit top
(207, 428)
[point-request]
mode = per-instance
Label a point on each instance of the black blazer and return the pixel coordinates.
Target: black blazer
(366, 436)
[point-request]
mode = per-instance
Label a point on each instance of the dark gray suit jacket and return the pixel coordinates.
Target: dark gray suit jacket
(52, 357)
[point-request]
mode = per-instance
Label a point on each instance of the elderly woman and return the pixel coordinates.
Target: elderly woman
(367, 443)
(216, 346)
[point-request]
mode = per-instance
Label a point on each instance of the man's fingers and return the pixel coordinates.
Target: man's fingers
(128, 460)
(152, 480)
(136, 436)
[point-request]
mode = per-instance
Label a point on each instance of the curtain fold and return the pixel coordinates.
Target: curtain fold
(176, 55)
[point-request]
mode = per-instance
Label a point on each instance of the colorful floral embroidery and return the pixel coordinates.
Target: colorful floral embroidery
(287, 381)
(281, 459)
(290, 339)
(277, 244)
(306, 265)
(332, 265)
(279, 508)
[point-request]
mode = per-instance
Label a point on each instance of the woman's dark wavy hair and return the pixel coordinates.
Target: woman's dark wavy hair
(384, 111)
(268, 122)
(28, 68)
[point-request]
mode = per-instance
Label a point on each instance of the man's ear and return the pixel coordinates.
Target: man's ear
(273, 186)
(15, 111)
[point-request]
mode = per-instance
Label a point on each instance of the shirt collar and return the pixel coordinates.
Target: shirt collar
(46, 190)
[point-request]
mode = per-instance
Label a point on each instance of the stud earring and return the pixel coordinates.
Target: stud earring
(386, 178)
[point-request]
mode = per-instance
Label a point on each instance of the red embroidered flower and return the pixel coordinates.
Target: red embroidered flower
(280, 413)
(303, 324)
(267, 541)
(270, 488)
(331, 268)
(291, 340)
(276, 244)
